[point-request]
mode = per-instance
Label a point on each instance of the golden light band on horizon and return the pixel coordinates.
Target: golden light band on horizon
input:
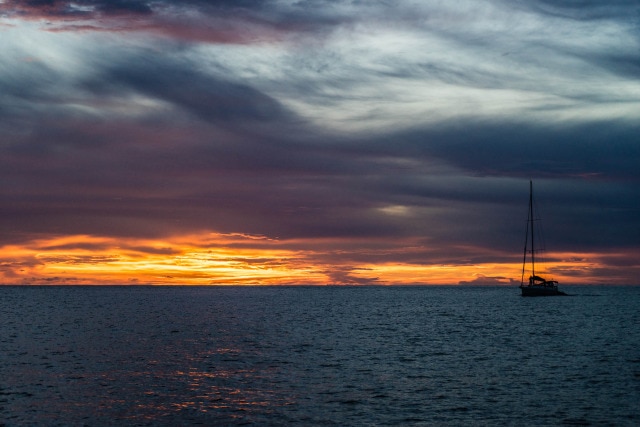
(238, 259)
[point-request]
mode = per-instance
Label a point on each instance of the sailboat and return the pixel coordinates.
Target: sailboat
(537, 286)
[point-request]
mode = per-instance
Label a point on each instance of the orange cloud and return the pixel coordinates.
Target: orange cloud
(212, 259)
(237, 259)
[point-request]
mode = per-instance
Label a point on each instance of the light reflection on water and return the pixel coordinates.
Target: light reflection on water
(107, 356)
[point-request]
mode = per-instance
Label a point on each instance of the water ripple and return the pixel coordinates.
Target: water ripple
(318, 356)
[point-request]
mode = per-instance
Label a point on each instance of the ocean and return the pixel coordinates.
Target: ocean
(343, 356)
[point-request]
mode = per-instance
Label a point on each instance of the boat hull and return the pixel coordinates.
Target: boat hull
(540, 291)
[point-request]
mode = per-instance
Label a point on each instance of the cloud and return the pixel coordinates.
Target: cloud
(490, 281)
(583, 10)
(76, 9)
(402, 132)
(234, 22)
(344, 276)
(207, 96)
(516, 148)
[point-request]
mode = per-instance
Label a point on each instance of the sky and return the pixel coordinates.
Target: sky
(317, 142)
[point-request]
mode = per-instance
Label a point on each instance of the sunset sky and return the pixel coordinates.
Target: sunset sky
(316, 141)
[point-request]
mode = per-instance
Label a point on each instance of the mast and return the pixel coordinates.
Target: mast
(526, 235)
(533, 264)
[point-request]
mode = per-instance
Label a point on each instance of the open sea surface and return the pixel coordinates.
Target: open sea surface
(346, 356)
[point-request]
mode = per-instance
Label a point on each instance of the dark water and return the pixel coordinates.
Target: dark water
(318, 356)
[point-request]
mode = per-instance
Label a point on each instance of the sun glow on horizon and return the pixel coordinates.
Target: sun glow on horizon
(239, 259)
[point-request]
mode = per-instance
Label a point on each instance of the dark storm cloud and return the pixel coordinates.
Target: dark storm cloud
(585, 10)
(95, 8)
(601, 149)
(75, 9)
(208, 97)
(242, 21)
(624, 64)
(24, 85)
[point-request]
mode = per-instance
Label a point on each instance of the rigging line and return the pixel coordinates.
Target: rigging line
(524, 260)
